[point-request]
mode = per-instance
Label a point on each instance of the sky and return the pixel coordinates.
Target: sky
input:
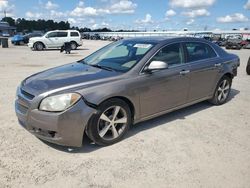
(136, 14)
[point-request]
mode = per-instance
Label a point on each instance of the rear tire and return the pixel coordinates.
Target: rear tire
(222, 91)
(110, 123)
(73, 45)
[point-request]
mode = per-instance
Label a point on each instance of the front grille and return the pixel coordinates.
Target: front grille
(27, 95)
(21, 108)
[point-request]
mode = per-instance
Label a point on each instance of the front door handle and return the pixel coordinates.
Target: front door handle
(183, 72)
(217, 64)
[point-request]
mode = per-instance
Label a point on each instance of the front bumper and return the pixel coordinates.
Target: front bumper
(30, 45)
(65, 128)
(15, 41)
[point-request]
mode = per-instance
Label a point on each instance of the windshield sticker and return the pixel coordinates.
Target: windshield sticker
(146, 46)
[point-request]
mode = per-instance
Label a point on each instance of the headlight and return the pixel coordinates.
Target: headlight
(59, 103)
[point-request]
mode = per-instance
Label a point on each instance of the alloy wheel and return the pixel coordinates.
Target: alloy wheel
(223, 90)
(39, 46)
(73, 45)
(112, 123)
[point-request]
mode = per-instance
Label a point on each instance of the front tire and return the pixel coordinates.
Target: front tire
(111, 122)
(222, 91)
(38, 46)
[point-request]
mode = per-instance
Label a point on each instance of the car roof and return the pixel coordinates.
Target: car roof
(165, 39)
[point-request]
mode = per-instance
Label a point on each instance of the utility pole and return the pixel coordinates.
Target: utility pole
(5, 13)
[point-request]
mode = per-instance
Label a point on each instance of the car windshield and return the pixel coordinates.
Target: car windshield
(119, 56)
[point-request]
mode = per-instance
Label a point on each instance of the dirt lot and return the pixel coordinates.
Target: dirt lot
(199, 146)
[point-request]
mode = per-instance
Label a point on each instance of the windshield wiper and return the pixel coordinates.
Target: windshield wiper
(81, 61)
(103, 67)
(98, 66)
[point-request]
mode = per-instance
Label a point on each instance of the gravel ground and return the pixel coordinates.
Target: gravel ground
(199, 146)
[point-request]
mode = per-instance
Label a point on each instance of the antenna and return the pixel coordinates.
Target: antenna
(5, 13)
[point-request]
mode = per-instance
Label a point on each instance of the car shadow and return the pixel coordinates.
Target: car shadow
(89, 146)
(172, 116)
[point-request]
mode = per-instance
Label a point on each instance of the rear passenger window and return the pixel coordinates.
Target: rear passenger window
(62, 34)
(74, 34)
(171, 54)
(198, 51)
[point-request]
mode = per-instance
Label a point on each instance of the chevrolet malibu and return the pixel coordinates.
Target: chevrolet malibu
(124, 83)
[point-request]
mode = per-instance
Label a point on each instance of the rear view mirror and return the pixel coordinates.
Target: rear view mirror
(157, 65)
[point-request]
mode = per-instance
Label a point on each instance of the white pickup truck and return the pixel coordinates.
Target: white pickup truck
(56, 39)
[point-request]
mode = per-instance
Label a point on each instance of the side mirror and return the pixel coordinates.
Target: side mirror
(156, 65)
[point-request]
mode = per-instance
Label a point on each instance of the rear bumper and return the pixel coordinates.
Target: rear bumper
(64, 128)
(79, 44)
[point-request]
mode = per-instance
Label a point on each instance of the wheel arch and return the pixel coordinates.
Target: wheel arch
(228, 74)
(39, 42)
(74, 42)
(126, 100)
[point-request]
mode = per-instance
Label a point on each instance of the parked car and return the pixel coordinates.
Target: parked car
(220, 42)
(247, 46)
(115, 38)
(30, 35)
(95, 37)
(245, 43)
(56, 39)
(85, 36)
(126, 82)
(23, 39)
(234, 44)
(17, 39)
(5, 34)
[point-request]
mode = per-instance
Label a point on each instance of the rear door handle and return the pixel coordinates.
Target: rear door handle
(183, 72)
(217, 64)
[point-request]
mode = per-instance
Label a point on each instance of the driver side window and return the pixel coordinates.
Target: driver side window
(52, 35)
(171, 54)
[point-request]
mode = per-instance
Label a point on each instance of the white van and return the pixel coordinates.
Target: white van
(56, 39)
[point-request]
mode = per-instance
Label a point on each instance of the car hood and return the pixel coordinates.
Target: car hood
(36, 38)
(74, 75)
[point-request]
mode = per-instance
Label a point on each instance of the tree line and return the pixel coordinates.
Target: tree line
(23, 25)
